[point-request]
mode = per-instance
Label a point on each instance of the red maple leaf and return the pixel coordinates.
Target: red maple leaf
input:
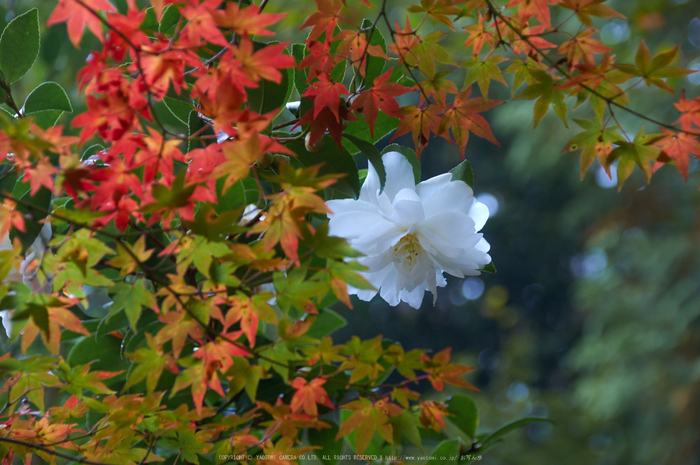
(246, 21)
(379, 96)
(308, 395)
(679, 147)
(326, 120)
(319, 59)
(324, 19)
(263, 64)
(162, 66)
(201, 26)
(326, 93)
(690, 110)
(537, 8)
(464, 117)
(77, 14)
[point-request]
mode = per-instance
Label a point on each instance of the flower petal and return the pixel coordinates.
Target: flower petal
(480, 213)
(352, 225)
(399, 174)
(413, 298)
(455, 196)
(408, 209)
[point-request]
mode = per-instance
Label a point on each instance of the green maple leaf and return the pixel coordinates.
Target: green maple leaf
(545, 94)
(639, 152)
(483, 72)
(131, 298)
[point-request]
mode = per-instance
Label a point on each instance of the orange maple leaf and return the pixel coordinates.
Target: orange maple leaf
(464, 117)
(690, 110)
(432, 415)
(80, 13)
(308, 395)
(582, 48)
(246, 21)
(537, 8)
(679, 147)
(478, 35)
(421, 122)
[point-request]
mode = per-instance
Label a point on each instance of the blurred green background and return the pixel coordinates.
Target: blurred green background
(593, 318)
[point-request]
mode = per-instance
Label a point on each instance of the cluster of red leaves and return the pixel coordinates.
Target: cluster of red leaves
(119, 103)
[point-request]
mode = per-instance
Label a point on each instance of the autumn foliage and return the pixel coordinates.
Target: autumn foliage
(209, 238)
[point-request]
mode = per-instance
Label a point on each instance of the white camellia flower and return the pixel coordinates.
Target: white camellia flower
(410, 234)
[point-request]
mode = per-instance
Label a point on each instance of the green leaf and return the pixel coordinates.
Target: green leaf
(104, 353)
(406, 426)
(410, 155)
(47, 96)
(194, 124)
(385, 124)
(509, 428)
(19, 45)
(372, 154)
(326, 323)
(445, 453)
(171, 15)
(130, 298)
(242, 193)
(150, 22)
(325, 438)
(490, 268)
(180, 109)
(334, 161)
(545, 94)
(463, 172)
(300, 76)
(41, 201)
(47, 119)
(375, 65)
(464, 413)
(8, 178)
(483, 72)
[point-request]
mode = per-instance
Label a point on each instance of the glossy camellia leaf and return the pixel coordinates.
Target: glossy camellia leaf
(325, 439)
(103, 353)
(327, 323)
(464, 414)
(47, 96)
(446, 453)
(241, 193)
(463, 172)
(372, 154)
(496, 436)
(19, 45)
